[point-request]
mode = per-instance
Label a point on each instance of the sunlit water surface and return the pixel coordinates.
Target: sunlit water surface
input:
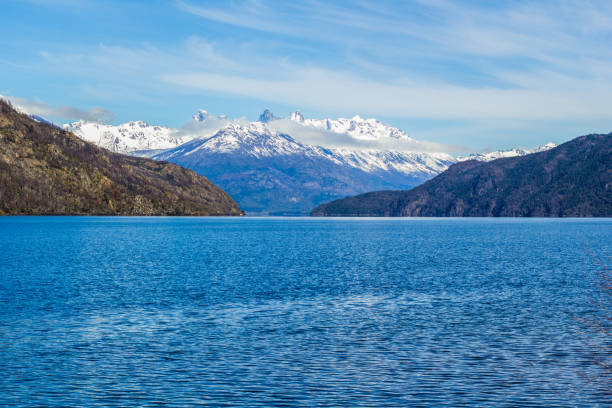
(293, 312)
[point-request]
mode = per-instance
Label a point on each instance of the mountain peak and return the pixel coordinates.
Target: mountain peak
(546, 146)
(137, 123)
(254, 139)
(200, 115)
(296, 116)
(266, 116)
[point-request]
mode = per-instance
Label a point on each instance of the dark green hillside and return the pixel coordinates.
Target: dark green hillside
(46, 170)
(571, 180)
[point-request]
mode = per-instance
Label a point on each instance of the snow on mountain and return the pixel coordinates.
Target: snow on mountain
(257, 140)
(272, 173)
(127, 137)
(355, 127)
(544, 147)
(505, 153)
(141, 139)
(296, 117)
(269, 171)
(254, 139)
(400, 162)
(40, 119)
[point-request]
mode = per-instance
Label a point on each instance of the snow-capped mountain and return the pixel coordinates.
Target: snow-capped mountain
(257, 140)
(506, 153)
(254, 139)
(401, 162)
(356, 127)
(267, 116)
(127, 137)
(141, 139)
(269, 171)
(200, 116)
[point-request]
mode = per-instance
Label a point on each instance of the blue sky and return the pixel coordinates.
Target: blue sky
(484, 75)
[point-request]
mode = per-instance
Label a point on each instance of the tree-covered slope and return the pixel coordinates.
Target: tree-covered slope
(46, 170)
(571, 180)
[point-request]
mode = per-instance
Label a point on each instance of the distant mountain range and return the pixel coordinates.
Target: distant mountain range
(47, 170)
(127, 137)
(268, 171)
(571, 180)
(500, 154)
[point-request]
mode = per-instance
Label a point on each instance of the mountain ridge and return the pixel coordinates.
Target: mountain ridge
(138, 136)
(50, 171)
(269, 171)
(572, 179)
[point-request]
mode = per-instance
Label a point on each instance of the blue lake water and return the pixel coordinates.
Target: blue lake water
(98, 311)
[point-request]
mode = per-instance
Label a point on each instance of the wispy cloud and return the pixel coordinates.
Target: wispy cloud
(536, 60)
(251, 16)
(533, 29)
(430, 60)
(198, 66)
(95, 114)
(333, 90)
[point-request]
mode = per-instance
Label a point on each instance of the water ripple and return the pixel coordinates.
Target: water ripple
(256, 312)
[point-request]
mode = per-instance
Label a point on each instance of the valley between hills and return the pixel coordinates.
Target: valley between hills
(214, 166)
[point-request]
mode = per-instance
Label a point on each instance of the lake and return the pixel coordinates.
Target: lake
(103, 311)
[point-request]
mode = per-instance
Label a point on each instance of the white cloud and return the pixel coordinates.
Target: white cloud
(198, 65)
(312, 135)
(321, 137)
(433, 59)
(554, 97)
(535, 29)
(529, 60)
(536, 61)
(208, 127)
(95, 114)
(253, 18)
